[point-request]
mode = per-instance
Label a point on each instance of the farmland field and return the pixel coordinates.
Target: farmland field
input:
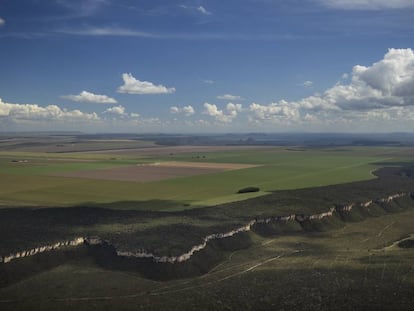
(155, 171)
(36, 178)
(163, 228)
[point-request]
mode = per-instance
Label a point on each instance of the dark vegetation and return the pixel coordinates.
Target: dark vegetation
(65, 141)
(177, 232)
(23, 268)
(407, 243)
(249, 189)
(363, 280)
(24, 228)
(284, 139)
(328, 273)
(200, 263)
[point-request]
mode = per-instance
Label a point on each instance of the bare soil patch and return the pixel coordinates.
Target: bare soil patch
(155, 171)
(172, 150)
(209, 165)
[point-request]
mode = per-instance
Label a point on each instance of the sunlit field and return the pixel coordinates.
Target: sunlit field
(52, 179)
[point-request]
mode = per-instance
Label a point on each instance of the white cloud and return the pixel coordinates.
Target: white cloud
(213, 111)
(116, 110)
(186, 110)
(230, 97)
(387, 83)
(392, 76)
(308, 83)
(203, 10)
(280, 110)
(33, 112)
(2, 22)
(119, 113)
(174, 109)
(373, 91)
(52, 117)
(88, 97)
(232, 112)
(108, 31)
(135, 86)
(200, 9)
(134, 115)
(234, 109)
(367, 4)
(114, 31)
(209, 81)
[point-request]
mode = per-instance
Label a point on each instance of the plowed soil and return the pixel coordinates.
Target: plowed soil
(155, 171)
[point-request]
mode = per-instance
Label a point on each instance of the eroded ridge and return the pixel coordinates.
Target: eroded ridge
(41, 249)
(186, 256)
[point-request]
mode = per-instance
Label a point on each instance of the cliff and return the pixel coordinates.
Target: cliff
(251, 225)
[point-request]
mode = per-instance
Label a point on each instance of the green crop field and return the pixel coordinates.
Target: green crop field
(33, 182)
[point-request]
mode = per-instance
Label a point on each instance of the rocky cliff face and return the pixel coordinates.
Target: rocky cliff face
(41, 249)
(186, 256)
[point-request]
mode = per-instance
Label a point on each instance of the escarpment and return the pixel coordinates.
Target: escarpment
(252, 225)
(41, 249)
(186, 256)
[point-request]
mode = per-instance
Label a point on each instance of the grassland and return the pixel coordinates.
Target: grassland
(349, 268)
(31, 182)
(346, 262)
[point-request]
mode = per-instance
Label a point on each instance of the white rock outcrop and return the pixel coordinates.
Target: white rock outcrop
(186, 256)
(41, 249)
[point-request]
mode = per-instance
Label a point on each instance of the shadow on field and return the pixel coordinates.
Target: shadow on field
(130, 226)
(23, 268)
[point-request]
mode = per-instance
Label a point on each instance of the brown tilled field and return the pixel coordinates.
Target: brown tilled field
(208, 165)
(172, 150)
(155, 171)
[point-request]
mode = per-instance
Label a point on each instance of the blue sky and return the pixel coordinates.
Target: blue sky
(207, 66)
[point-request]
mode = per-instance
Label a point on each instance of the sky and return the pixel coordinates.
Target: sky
(209, 66)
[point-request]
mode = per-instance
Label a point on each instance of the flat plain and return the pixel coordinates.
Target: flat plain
(42, 178)
(340, 261)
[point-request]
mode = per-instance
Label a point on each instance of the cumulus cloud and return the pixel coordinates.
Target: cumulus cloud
(213, 111)
(387, 83)
(186, 110)
(32, 112)
(135, 86)
(119, 112)
(280, 110)
(52, 117)
(367, 4)
(226, 117)
(2, 22)
(116, 110)
(230, 97)
(234, 109)
(88, 97)
(371, 91)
